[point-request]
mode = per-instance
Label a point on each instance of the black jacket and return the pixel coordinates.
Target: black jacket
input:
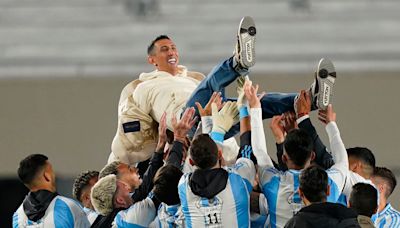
(326, 215)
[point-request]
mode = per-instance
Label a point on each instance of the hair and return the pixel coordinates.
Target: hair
(150, 48)
(364, 199)
(204, 152)
(30, 166)
(298, 146)
(388, 177)
(111, 168)
(166, 184)
(81, 182)
(102, 194)
(314, 184)
(364, 155)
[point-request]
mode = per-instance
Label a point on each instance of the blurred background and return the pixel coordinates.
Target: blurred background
(63, 64)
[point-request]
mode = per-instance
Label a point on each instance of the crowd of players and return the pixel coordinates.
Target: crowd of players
(175, 162)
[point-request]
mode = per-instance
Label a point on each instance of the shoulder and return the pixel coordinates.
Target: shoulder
(129, 89)
(196, 75)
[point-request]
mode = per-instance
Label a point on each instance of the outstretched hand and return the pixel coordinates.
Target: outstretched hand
(206, 111)
(303, 104)
(224, 119)
(277, 128)
(328, 115)
(182, 127)
(250, 92)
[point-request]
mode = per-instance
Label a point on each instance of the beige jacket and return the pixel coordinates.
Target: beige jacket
(141, 104)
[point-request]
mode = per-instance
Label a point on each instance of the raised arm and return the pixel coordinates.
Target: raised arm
(257, 137)
(338, 172)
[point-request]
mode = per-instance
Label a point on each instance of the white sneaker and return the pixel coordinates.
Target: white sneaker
(245, 49)
(322, 88)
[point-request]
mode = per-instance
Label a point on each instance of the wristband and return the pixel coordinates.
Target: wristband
(243, 112)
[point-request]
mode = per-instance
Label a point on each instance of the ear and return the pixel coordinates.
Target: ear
(151, 61)
(312, 157)
(119, 201)
(47, 176)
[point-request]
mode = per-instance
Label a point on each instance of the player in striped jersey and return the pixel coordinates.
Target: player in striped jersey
(281, 188)
(387, 216)
(43, 207)
(213, 196)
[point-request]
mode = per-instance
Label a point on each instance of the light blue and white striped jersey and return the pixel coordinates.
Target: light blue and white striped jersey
(387, 218)
(90, 214)
(140, 214)
(229, 208)
(281, 188)
(352, 179)
(61, 213)
(168, 216)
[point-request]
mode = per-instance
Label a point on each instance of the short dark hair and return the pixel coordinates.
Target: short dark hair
(364, 199)
(30, 166)
(166, 184)
(298, 146)
(81, 182)
(204, 152)
(363, 154)
(150, 48)
(387, 176)
(314, 183)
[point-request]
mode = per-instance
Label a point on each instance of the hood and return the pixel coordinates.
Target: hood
(208, 183)
(154, 74)
(36, 203)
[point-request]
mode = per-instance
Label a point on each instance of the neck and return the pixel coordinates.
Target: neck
(382, 203)
(307, 202)
(48, 188)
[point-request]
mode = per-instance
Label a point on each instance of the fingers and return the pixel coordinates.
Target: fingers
(214, 109)
(199, 107)
(261, 95)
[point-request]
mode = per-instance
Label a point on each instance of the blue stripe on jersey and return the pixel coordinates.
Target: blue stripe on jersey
(271, 190)
(121, 223)
(184, 203)
(334, 193)
(15, 220)
(248, 185)
(62, 215)
(296, 183)
(241, 197)
(342, 200)
(382, 223)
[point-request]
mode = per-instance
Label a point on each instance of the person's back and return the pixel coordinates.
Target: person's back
(43, 207)
(212, 196)
(327, 215)
(313, 191)
(61, 211)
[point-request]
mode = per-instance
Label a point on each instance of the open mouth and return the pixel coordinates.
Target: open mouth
(172, 61)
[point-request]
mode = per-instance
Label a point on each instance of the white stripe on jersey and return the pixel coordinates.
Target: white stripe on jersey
(281, 190)
(352, 179)
(140, 214)
(229, 208)
(387, 218)
(62, 212)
